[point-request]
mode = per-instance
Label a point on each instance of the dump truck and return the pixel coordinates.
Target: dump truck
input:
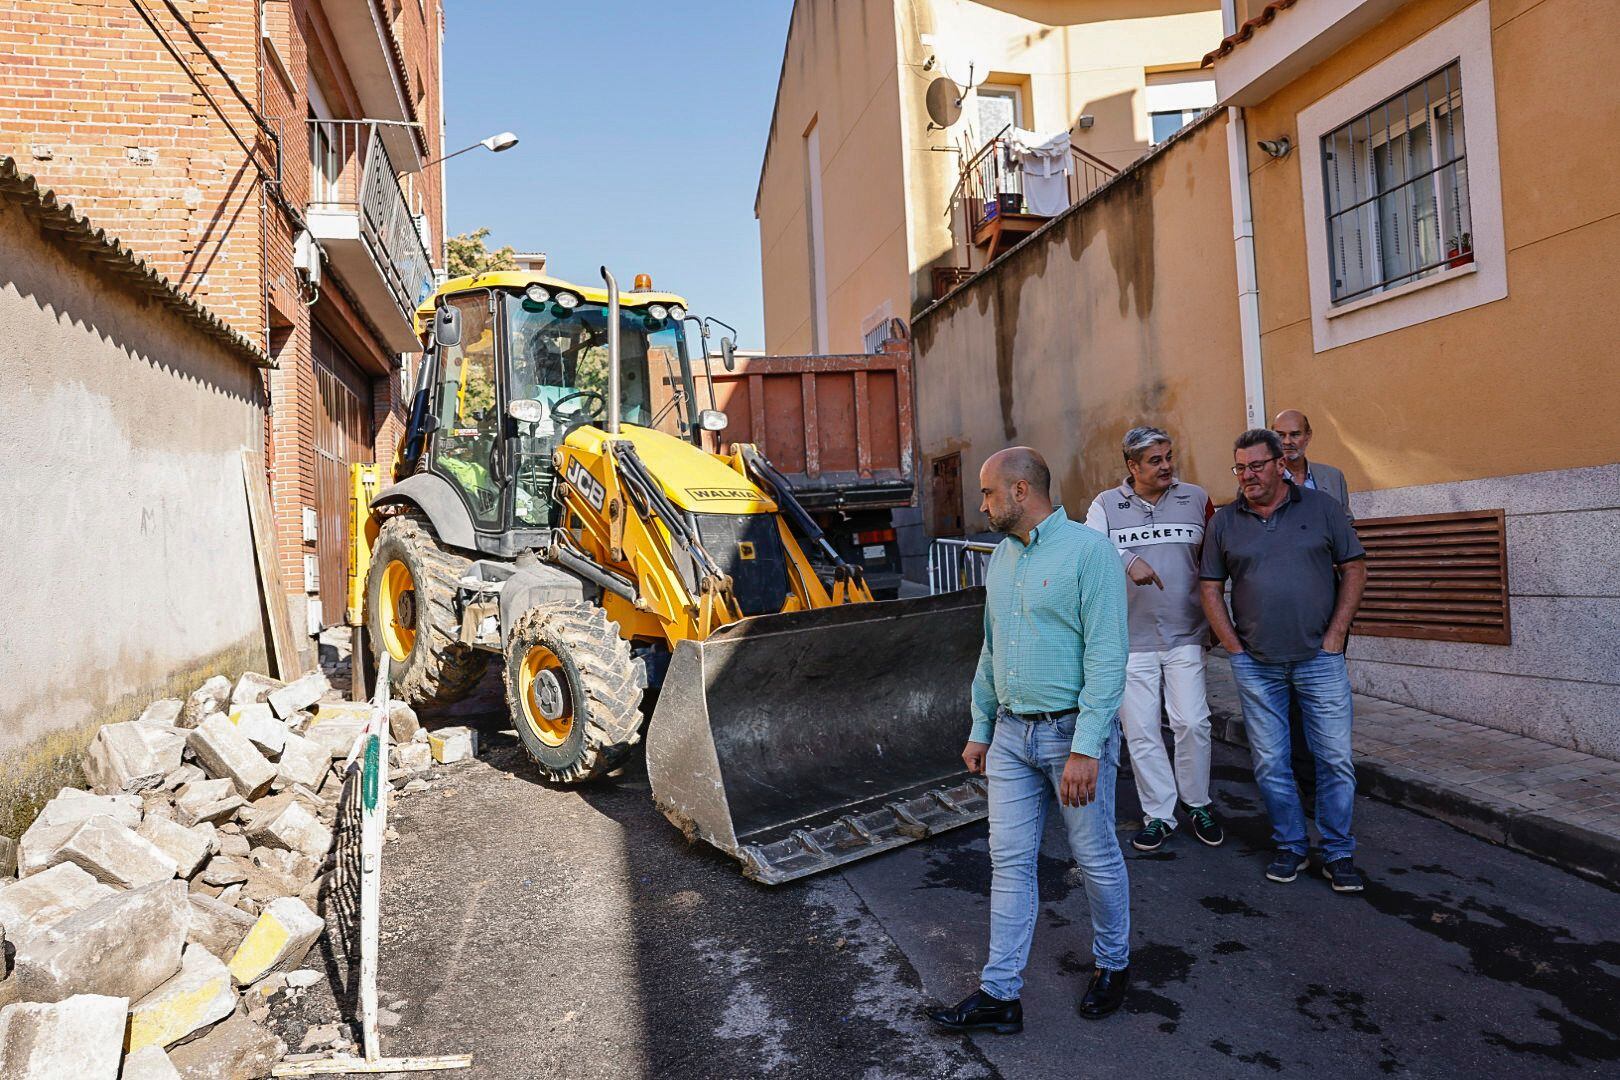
(839, 428)
(548, 514)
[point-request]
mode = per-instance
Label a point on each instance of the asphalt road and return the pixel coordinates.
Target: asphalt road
(569, 933)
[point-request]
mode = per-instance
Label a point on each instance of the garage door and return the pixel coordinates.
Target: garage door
(342, 438)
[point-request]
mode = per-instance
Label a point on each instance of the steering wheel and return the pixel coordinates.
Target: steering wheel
(597, 409)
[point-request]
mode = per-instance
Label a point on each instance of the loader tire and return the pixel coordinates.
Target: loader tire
(572, 691)
(411, 615)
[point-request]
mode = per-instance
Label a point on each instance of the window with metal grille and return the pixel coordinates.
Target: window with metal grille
(1436, 576)
(1396, 184)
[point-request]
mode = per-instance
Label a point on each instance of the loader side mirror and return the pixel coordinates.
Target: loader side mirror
(447, 327)
(728, 353)
(712, 420)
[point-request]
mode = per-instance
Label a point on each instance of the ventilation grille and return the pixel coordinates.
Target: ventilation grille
(1441, 577)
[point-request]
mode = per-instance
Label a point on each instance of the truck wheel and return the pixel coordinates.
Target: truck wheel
(411, 615)
(572, 691)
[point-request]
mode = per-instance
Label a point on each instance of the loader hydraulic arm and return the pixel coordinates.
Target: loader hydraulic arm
(849, 582)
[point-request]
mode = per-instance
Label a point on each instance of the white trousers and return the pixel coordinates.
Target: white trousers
(1181, 672)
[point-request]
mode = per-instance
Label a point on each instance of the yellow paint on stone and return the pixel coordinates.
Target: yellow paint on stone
(436, 744)
(260, 950)
(172, 1018)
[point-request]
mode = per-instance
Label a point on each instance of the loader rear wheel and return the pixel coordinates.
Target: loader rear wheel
(411, 615)
(572, 691)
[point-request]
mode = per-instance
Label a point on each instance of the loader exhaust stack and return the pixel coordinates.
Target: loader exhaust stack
(803, 741)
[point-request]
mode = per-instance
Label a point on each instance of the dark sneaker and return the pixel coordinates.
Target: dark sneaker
(1344, 875)
(1286, 867)
(1205, 827)
(1154, 836)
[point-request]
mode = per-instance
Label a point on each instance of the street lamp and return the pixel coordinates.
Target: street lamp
(494, 144)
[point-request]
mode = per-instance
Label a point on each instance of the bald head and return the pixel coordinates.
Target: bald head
(1016, 489)
(1293, 428)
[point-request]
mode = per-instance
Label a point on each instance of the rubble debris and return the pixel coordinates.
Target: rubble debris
(56, 822)
(214, 801)
(298, 695)
(303, 761)
(237, 1049)
(278, 941)
(37, 903)
(197, 995)
(123, 946)
(189, 848)
(234, 844)
(402, 722)
(131, 757)
(414, 756)
(217, 926)
(337, 725)
(251, 688)
(303, 978)
(114, 853)
(182, 776)
(149, 1063)
(78, 1038)
(263, 730)
(453, 744)
(224, 752)
(223, 870)
(293, 828)
(209, 698)
(164, 712)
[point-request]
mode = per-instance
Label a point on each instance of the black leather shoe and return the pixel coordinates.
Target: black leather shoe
(1106, 992)
(981, 1012)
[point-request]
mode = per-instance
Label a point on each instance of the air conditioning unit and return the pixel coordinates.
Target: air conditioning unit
(307, 258)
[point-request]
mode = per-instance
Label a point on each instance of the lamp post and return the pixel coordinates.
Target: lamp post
(494, 144)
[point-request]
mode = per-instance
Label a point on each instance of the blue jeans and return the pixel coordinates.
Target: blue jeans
(1024, 767)
(1321, 685)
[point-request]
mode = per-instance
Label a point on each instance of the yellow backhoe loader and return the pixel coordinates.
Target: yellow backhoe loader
(554, 506)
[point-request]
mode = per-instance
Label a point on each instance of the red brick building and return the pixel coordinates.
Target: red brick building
(268, 157)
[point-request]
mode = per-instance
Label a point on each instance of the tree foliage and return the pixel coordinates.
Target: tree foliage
(469, 254)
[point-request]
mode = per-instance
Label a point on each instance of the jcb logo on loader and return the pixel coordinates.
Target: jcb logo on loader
(586, 484)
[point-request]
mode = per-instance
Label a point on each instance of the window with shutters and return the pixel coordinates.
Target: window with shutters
(1437, 576)
(1396, 180)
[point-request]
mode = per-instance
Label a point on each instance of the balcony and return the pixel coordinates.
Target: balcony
(359, 213)
(989, 209)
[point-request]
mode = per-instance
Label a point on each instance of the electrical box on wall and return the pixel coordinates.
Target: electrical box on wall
(311, 525)
(312, 574)
(312, 617)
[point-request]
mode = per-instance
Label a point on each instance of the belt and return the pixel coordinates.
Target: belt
(1044, 717)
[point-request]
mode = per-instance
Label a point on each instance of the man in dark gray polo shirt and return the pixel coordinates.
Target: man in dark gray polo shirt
(1297, 575)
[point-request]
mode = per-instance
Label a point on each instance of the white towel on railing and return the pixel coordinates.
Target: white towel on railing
(1044, 160)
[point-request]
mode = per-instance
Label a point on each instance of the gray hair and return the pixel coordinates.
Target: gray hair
(1138, 439)
(1259, 437)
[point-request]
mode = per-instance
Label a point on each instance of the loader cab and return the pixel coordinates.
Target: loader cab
(523, 364)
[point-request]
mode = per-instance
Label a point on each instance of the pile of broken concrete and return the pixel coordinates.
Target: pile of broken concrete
(155, 915)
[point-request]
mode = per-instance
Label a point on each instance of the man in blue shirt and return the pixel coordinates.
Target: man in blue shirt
(1045, 696)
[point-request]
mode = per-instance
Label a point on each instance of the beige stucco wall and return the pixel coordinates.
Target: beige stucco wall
(129, 569)
(1521, 385)
(1122, 312)
(857, 68)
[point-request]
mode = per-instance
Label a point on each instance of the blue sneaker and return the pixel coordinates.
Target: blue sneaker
(1286, 866)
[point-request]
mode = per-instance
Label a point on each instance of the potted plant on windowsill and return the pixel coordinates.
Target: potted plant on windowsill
(1460, 251)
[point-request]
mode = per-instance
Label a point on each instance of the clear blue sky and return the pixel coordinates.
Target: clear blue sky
(641, 131)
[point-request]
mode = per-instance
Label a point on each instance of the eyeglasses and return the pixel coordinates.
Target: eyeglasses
(1252, 467)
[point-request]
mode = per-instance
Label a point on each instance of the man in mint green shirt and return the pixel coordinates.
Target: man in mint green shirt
(1045, 698)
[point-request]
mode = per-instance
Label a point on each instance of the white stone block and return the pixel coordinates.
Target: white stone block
(402, 722)
(251, 687)
(413, 756)
(279, 941)
(114, 853)
(224, 752)
(197, 995)
(293, 828)
(80, 1038)
(303, 761)
(131, 757)
(300, 694)
(209, 698)
(453, 744)
(189, 848)
(124, 946)
(164, 712)
(35, 904)
(213, 801)
(217, 925)
(337, 725)
(149, 1063)
(261, 727)
(236, 1049)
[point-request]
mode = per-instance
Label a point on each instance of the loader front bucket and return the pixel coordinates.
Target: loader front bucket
(803, 741)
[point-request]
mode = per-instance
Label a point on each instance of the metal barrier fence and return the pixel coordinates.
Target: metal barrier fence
(957, 564)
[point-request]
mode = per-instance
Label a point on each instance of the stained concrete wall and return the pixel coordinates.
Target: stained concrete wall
(1560, 679)
(127, 556)
(1121, 312)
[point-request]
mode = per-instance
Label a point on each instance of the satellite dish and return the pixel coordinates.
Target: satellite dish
(943, 101)
(964, 68)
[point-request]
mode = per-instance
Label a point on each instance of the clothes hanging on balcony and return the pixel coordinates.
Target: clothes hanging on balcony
(1044, 161)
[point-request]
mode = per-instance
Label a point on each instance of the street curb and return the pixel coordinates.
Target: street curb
(1579, 850)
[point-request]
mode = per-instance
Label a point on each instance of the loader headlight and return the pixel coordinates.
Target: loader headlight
(537, 293)
(658, 311)
(567, 301)
(677, 312)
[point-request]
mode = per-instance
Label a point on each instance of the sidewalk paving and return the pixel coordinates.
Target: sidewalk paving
(1556, 804)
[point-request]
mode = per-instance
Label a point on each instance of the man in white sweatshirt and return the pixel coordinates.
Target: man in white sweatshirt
(1157, 523)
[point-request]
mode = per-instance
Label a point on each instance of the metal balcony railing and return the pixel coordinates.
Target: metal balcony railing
(350, 171)
(991, 181)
